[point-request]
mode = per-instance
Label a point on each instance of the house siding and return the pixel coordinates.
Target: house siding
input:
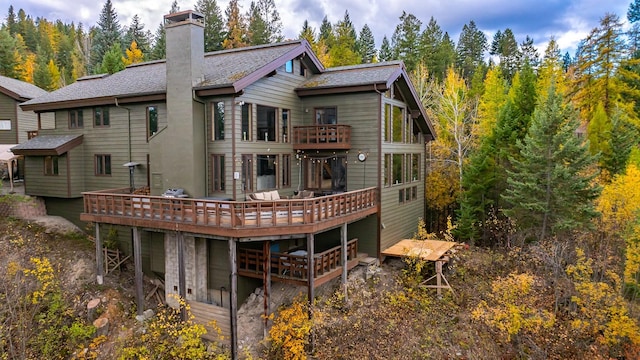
(8, 112)
(27, 121)
(39, 184)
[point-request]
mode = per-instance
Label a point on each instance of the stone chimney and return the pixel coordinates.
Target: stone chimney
(183, 151)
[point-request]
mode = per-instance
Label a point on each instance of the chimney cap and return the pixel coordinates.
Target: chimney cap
(190, 16)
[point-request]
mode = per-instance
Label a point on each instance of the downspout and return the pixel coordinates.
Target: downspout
(129, 125)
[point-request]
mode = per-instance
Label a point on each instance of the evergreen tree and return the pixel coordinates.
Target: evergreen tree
(257, 29)
(326, 32)
(42, 76)
(445, 57)
(386, 53)
(11, 21)
(8, 54)
(107, 34)
(550, 188)
(271, 17)
(430, 41)
(136, 33)
(213, 24)
(27, 28)
(159, 50)
(113, 60)
(406, 41)
(504, 46)
(623, 140)
(366, 45)
(308, 33)
(344, 51)
(529, 53)
(472, 45)
(236, 27)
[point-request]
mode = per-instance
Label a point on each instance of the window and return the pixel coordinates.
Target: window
(407, 168)
(246, 122)
(103, 164)
(415, 167)
(286, 170)
(266, 123)
(387, 169)
(75, 119)
(397, 168)
(387, 122)
(5, 124)
(285, 125)
(327, 115)
(414, 193)
(267, 171)
(396, 129)
(217, 167)
(288, 67)
(247, 173)
(51, 165)
(218, 120)
(152, 121)
(407, 128)
(101, 116)
(303, 70)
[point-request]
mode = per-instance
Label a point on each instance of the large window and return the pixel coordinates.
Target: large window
(103, 164)
(152, 121)
(396, 174)
(218, 120)
(415, 167)
(101, 117)
(266, 123)
(247, 124)
(75, 119)
(387, 169)
(51, 165)
(217, 167)
(285, 125)
(326, 116)
(286, 170)
(397, 124)
(267, 171)
(5, 124)
(247, 173)
(398, 119)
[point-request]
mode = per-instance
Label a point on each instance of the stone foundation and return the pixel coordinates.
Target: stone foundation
(23, 207)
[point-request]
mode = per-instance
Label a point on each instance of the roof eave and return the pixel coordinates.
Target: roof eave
(327, 90)
(57, 151)
(104, 100)
(15, 96)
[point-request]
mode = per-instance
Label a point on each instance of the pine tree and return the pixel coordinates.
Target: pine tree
(406, 40)
(11, 21)
(159, 49)
(257, 29)
(8, 54)
(27, 28)
(445, 57)
(550, 188)
(344, 51)
(504, 46)
(236, 27)
(430, 41)
(386, 53)
(472, 45)
(136, 33)
(271, 17)
(326, 32)
(107, 34)
(213, 24)
(42, 76)
(528, 52)
(113, 60)
(366, 45)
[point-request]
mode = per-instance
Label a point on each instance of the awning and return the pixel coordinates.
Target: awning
(48, 145)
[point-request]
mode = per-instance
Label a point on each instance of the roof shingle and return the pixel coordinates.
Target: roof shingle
(23, 90)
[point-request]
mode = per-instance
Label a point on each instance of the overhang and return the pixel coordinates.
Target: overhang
(48, 145)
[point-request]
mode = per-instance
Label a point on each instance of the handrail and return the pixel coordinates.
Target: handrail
(322, 136)
(228, 214)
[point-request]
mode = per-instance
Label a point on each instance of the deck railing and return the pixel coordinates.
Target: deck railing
(292, 266)
(109, 205)
(322, 137)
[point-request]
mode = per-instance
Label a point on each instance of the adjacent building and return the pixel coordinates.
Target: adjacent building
(227, 171)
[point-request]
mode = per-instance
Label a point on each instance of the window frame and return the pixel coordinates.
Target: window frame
(322, 118)
(285, 125)
(272, 166)
(75, 121)
(286, 170)
(102, 165)
(4, 128)
(218, 123)
(150, 133)
(247, 172)
(99, 118)
(288, 67)
(51, 165)
(272, 129)
(246, 122)
(218, 180)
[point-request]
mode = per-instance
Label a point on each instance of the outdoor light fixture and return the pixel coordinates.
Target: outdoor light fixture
(131, 165)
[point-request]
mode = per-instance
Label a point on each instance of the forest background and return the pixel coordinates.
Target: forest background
(533, 151)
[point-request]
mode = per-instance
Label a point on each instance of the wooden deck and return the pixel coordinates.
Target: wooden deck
(205, 314)
(292, 268)
(430, 250)
(322, 137)
(229, 218)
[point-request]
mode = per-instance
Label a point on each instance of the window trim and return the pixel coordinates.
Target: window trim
(218, 180)
(52, 168)
(102, 160)
(323, 109)
(217, 130)
(4, 128)
(248, 109)
(275, 124)
(148, 113)
(101, 121)
(73, 119)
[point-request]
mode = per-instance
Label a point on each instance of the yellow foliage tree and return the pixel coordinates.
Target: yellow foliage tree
(289, 334)
(511, 307)
(134, 54)
(620, 200)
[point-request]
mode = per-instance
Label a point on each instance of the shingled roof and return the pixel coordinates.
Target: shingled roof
(48, 145)
(233, 69)
(19, 90)
(356, 75)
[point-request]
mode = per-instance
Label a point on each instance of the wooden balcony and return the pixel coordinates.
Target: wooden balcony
(322, 137)
(292, 267)
(229, 218)
(31, 134)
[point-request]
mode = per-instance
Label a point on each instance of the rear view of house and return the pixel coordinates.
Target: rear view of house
(226, 171)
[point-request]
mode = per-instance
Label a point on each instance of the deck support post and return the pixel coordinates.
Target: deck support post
(99, 254)
(311, 286)
(137, 258)
(266, 279)
(182, 277)
(343, 240)
(233, 304)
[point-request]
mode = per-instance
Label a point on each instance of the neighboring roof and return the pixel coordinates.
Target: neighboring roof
(48, 145)
(227, 71)
(19, 90)
(355, 75)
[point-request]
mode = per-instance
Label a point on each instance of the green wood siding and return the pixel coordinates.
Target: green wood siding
(39, 184)
(27, 121)
(218, 268)
(8, 112)
(69, 209)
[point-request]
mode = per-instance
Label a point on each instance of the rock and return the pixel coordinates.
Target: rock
(146, 315)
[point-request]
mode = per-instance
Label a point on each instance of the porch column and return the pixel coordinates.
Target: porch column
(99, 254)
(310, 269)
(266, 279)
(182, 281)
(137, 257)
(343, 239)
(233, 304)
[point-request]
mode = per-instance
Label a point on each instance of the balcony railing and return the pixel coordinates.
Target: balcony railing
(228, 218)
(31, 134)
(292, 267)
(321, 137)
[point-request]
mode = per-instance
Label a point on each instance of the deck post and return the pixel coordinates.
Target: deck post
(182, 281)
(311, 277)
(137, 257)
(266, 278)
(233, 304)
(99, 255)
(343, 239)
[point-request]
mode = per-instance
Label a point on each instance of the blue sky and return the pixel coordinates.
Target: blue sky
(567, 21)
